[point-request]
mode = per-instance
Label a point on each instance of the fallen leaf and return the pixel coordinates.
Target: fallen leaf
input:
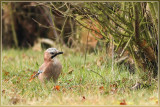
(17, 81)
(101, 88)
(31, 79)
(123, 102)
(70, 71)
(5, 72)
(3, 92)
(115, 85)
(57, 87)
(83, 98)
(70, 88)
(6, 80)
(70, 80)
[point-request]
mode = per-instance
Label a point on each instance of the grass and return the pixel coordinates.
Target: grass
(79, 84)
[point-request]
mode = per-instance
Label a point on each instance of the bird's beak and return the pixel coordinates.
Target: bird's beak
(59, 53)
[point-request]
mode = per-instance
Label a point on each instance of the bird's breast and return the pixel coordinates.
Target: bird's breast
(51, 69)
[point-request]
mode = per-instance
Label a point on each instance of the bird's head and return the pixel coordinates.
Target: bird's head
(50, 53)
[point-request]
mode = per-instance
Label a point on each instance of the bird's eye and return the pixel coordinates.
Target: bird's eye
(52, 53)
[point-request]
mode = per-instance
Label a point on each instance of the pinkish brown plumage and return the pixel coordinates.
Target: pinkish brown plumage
(51, 68)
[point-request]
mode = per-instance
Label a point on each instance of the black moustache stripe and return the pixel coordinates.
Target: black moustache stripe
(56, 54)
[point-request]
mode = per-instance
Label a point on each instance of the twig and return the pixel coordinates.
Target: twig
(45, 25)
(121, 59)
(62, 30)
(126, 46)
(97, 74)
(53, 23)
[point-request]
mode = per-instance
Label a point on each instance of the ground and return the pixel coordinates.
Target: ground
(89, 82)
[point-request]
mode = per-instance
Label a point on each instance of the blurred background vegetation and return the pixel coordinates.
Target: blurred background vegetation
(127, 30)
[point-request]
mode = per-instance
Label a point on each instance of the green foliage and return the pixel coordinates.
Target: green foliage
(133, 26)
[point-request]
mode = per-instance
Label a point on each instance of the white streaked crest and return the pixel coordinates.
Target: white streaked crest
(53, 50)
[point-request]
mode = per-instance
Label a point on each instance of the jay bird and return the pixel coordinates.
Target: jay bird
(51, 67)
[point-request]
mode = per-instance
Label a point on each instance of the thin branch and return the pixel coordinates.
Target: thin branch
(41, 25)
(97, 74)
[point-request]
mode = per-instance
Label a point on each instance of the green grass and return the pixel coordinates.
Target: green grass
(81, 87)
